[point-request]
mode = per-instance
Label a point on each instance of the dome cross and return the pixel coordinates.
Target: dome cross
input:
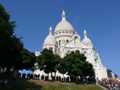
(63, 15)
(50, 30)
(85, 34)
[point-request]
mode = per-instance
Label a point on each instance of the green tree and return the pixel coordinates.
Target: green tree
(10, 45)
(88, 73)
(76, 64)
(27, 59)
(48, 61)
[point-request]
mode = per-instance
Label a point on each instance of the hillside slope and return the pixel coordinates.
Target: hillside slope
(44, 85)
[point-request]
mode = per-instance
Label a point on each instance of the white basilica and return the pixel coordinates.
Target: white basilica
(65, 39)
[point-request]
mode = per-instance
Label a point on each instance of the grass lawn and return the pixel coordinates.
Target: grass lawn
(44, 85)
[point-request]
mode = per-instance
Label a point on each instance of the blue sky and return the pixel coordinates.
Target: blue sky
(101, 18)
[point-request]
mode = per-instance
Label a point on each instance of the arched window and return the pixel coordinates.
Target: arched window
(51, 48)
(59, 42)
(67, 41)
(75, 37)
(56, 44)
(68, 52)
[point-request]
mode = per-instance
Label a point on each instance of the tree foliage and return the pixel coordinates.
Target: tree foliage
(27, 59)
(48, 60)
(12, 52)
(10, 45)
(76, 65)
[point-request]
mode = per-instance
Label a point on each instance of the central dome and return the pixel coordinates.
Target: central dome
(64, 25)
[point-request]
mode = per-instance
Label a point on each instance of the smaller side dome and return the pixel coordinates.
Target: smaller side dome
(86, 40)
(49, 40)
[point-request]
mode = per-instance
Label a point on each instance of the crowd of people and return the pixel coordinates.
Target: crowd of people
(111, 83)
